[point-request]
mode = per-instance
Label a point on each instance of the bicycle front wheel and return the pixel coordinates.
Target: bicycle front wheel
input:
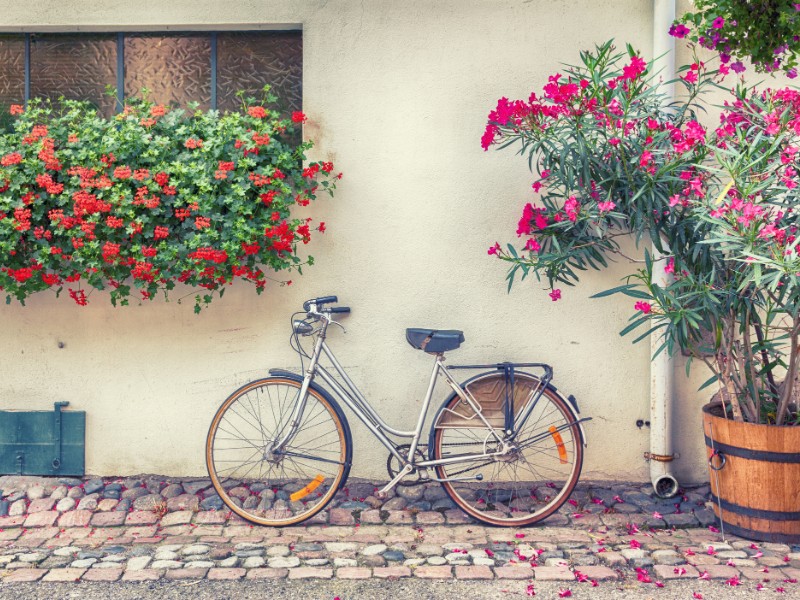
(285, 486)
(529, 483)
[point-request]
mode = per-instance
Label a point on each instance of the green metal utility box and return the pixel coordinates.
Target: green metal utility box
(42, 442)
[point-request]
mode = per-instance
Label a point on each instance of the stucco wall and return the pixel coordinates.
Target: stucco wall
(397, 95)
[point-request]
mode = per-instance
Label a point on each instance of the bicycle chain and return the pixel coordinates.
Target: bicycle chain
(406, 482)
(393, 472)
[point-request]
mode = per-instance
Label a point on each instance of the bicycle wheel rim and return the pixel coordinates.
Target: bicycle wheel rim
(275, 490)
(521, 490)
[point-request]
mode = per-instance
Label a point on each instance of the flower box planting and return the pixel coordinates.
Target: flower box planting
(152, 198)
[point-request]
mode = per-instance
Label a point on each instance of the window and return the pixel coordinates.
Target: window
(207, 67)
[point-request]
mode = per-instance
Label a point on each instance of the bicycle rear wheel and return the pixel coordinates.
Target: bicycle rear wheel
(277, 488)
(525, 486)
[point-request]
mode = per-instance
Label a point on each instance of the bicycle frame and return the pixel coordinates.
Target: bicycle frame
(351, 396)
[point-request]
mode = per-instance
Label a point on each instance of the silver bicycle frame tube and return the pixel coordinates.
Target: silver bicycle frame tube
(356, 401)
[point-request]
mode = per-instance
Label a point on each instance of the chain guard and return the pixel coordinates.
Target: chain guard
(393, 466)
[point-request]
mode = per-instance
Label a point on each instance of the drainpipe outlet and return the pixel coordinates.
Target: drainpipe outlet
(665, 486)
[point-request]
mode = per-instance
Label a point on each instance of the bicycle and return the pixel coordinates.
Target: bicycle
(506, 446)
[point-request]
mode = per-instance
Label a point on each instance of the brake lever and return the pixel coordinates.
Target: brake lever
(339, 324)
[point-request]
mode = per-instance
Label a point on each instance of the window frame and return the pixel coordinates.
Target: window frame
(120, 82)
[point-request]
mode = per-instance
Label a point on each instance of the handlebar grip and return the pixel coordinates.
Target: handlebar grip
(321, 300)
(338, 309)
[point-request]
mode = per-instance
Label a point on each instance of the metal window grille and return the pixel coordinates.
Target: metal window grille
(208, 67)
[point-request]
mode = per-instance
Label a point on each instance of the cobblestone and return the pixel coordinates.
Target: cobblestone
(151, 528)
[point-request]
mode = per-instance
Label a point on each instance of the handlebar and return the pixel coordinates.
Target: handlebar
(337, 309)
(321, 300)
(317, 302)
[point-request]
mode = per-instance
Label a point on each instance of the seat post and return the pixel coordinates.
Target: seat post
(437, 364)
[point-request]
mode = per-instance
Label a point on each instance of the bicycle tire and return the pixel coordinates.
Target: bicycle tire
(285, 489)
(529, 485)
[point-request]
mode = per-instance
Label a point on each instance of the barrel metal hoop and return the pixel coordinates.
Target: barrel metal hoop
(759, 513)
(762, 455)
(754, 534)
(722, 460)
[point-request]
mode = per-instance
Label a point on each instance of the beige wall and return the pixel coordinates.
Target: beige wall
(397, 94)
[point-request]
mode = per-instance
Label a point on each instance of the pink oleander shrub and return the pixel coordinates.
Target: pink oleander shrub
(719, 205)
(152, 197)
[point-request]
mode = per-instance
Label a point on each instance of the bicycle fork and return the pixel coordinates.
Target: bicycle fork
(297, 413)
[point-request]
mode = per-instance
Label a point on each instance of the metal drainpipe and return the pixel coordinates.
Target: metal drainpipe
(661, 368)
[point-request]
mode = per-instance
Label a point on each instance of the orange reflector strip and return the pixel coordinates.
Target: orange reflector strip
(562, 451)
(314, 484)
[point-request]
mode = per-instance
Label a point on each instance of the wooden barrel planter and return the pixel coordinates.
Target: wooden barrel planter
(755, 477)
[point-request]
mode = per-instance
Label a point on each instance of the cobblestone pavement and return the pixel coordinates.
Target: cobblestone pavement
(152, 528)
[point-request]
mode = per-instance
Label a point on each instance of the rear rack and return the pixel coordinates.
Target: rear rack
(509, 368)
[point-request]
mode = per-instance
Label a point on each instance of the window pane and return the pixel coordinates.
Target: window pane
(76, 66)
(176, 68)
(247, 61)
(12, 70)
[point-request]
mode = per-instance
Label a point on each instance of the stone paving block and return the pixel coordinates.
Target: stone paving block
(474, 572)
(760, 575)
(24, 575)
(109, 519)
(193, 573)
(310, 573)
(341, 516)
(149, 540)
(218, 573)
(675, 572)
(142, 531)
(702, 560)
(42, 519)
(353, 573)
(456, 516)
(210, 517)
(719, 571)
(234, 531)
(183, 502)
(28, 542)
(102, 574)
(513, 572)
(399, 516)
(598, 572)
(430, 518)
(143, 575)
(391, 572)
(612, 559)
(10, 534)
(180, 517)
(6, 522)
(40, 505)
(68, 574)
(173, 531)
(553, 574)
(434, 572)
(141, 517)
(371, 516)
(267, 573)
(75, 518)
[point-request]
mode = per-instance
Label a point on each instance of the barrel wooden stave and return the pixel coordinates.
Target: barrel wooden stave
(758, 485)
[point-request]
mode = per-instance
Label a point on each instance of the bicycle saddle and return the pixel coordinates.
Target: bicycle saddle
(434, 341)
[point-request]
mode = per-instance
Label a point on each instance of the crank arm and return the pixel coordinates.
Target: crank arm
(385, 490)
